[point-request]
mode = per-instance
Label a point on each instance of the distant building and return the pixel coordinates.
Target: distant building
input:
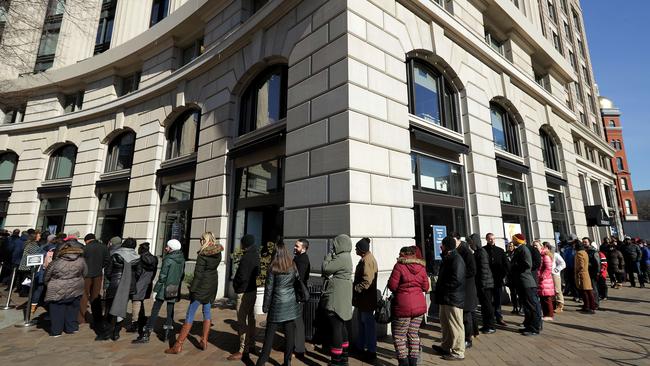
(643, 204)
(614, 132)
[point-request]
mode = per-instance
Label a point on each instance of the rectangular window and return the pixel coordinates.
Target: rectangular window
(576, 20)
(573, 60)
(494, 42)
(105, 26)
(51, 214)
(159, 11)
(193, 51)
(55, 7)
(576, 147)
(73, 102)
(13, 115)
(581, 47)
(567, 30)
(4, 10)
(175, 215)
(129, 84)
(551, 11)
(585, 73)
(543, 81)
(110, 215)
(557, 42)
(511, 192)
(565, 7)
(558, 212)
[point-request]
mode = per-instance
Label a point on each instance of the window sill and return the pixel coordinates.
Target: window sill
(249, 137)
(433, 128)
(57, 182)
(508, 156)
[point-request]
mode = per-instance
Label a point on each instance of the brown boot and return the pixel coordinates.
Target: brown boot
(34, 308)
(560, 308)
(178, 346)
(206, 334)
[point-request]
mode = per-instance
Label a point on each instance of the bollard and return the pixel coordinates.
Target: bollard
(28, 308)
(11, 287)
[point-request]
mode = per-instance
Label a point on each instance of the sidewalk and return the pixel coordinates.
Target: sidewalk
(617, 335)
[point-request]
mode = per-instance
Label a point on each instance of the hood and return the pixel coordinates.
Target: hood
(176, 256)
(212, 250)
(71, 253)
(342, 244)
(413, 264)
(476, 239)
(128, 254)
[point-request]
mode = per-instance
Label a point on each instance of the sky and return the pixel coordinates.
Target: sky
(618, 35)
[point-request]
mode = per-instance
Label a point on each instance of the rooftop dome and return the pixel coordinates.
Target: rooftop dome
(605, 103)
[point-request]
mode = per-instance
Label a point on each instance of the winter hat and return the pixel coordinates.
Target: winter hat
(363, 245)
(247, 241)
(519, 239)
(89, 237)
(573, 237)
(116, 240)
(50, 238)
(174, 244)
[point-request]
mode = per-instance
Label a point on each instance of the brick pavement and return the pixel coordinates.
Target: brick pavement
(618, 335)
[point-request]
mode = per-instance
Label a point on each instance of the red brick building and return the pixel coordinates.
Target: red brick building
(611, 116)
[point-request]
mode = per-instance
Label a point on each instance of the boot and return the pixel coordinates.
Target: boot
(403, 362)
(34, 308)
(178, 346)
(167, 332)
(560, 308)
(345, 354)
(335, 360)
(413, 361)
(206, 335)
(131, 327)
(116, 331)
(144, 337)
(104, 331)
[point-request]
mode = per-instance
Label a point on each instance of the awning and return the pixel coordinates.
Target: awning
(512, 165)
(596, 216)
(439, 141)
(555, 180)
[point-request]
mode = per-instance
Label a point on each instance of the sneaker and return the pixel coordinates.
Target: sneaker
(452, 358)
(468, 344)
(488, 330)
(502, 323)
(529, 333)
(548, 318)
(55, 336)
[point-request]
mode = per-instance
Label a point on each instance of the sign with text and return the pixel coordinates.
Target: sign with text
(439, 233)
(34, 260)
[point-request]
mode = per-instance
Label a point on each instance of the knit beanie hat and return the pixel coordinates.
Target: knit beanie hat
(174, 244)
(247, 241)
(116, 240)
(363, 245)
(51, 237)
(519, 239)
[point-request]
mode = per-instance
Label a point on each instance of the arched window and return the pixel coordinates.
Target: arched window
(431, 97)
(624, 184)
(504, 129)
(120, 152)
(612, 123)
(62, 163)
(619, 164)
(265, 101)
(549, 151)
(183, 134)
(8, 161)
(628, 207)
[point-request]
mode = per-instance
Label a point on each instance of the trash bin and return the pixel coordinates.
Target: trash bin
(310, 308)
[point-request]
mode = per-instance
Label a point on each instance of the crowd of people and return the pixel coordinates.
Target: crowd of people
(80, 273)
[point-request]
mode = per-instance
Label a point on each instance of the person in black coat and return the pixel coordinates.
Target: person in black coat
(301, 259)
(484, 284)
(470, 318)
(450, 294)
(143, 277)
(499, 265)
(97, 259)
(527, 285)
(245, 285)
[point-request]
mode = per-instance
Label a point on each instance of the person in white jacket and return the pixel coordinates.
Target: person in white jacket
(558, 266)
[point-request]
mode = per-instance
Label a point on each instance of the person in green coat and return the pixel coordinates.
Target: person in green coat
(337, 296)
(171, 275)
(202, 290)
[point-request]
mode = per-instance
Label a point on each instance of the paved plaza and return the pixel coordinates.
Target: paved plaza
(617, 335)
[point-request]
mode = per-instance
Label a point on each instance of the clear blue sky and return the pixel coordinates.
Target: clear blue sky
(618, 35)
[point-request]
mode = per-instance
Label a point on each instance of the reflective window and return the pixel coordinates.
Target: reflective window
(549, 151)
(437, 175)
(105, 26)
(628, 207)
(110, 215)
(62, 163)
(51, 215)
(177, 192)
(624, 184)
(511, 192)
(431, 97)
(159, 11)
(8, 163)
(175, 215)
(265, 101)
(260, 179)
(504, 130)
(120, 152)
(619, 163)
(183, 134)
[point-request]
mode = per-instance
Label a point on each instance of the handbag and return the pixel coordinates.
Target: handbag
(383, 313)
(302, 292)
(171, 291)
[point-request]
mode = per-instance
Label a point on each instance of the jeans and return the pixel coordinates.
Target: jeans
(496, 302)
(63, 315)
(155, 309)
(194, 306)
(367, 340)
(271, 328)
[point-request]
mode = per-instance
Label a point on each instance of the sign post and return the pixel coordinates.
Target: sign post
(11, 288)
(34, 262)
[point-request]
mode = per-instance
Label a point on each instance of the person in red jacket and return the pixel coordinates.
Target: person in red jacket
(546, 287)
(408, 282)
(602, 277)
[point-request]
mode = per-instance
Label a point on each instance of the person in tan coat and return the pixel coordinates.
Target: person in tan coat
(583, 281)
(364, 298)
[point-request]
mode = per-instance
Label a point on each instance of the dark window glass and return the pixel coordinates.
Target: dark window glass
(130, 83)
(183, 134)
(259, 179)
(619, 163)
(159, 10)
(51, 215)
(511, 192)
(549, 151)
(193, 51)
(504, 130)
(175, 215)
(431, 97)
(436, 176)
(105, 26)
(177, 192)
(265, 101)
(8, 163)
(62, 163)
(120, 152)
(73, 102)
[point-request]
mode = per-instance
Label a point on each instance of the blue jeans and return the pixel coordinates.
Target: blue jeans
(367, 332)
(194, 306)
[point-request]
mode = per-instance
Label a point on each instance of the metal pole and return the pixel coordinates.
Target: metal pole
(11, 287)
(28, 308)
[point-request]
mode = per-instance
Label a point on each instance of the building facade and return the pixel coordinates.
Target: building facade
(385, 119)
(614, 131)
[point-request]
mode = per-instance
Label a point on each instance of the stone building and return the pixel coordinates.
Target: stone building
(387, 119)
(614, 132)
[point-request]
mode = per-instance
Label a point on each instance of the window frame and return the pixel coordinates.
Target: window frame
(106, 18)
(54, 162)
(619, 164)
(510, 130)
(161, 13)
(13, 174)
(628, 207)
(448, 114)
(113, 152)
(176, 129)
(73, 102)
(249, 98)
(129, 83)
(549, 151)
